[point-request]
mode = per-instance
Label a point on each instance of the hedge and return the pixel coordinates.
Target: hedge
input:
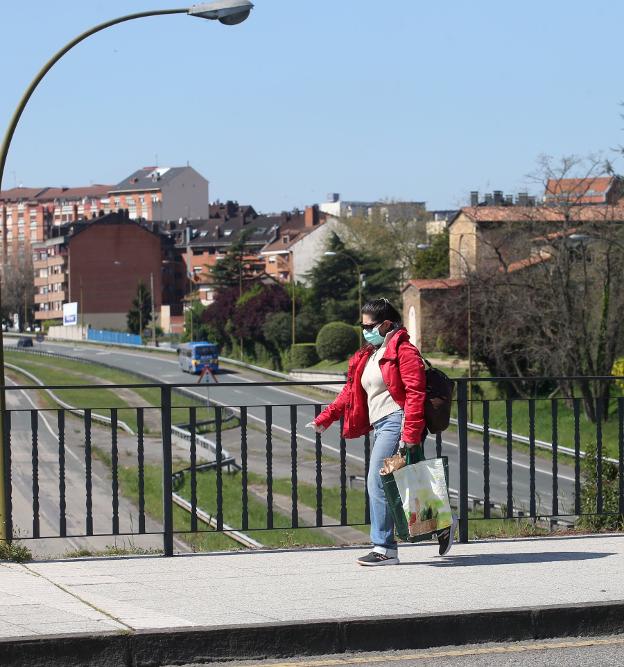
(336, 341)
(303, 355)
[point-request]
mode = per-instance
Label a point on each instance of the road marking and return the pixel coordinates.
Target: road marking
(454, 653)
(312, 440)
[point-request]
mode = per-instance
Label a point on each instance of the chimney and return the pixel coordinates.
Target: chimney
(474, 198)
(311, 216)
(333, 197)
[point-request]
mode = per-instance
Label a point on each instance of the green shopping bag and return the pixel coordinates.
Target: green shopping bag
(417, 494)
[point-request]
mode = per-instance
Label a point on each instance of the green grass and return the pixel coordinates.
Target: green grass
(281, 536)
(330, 366)
(544, 421)
(55, 371)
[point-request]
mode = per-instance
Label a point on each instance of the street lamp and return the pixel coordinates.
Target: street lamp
(229, 12)
(333, 253)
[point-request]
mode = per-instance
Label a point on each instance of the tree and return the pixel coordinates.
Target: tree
(232, 271)
(140, 314)
(392, 233)
(432, 262)
(334, 282)
(18, 288)
(558, 311)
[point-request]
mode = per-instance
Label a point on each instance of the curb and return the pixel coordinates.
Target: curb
(324, 637)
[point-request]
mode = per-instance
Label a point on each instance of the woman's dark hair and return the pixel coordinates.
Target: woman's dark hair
(380, 310)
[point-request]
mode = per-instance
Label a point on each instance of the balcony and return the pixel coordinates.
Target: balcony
(49, 297)
(48, 315)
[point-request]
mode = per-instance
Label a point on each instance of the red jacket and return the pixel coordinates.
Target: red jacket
(403, 371)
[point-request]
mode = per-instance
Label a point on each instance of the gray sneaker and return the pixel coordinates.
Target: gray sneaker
(374, 559)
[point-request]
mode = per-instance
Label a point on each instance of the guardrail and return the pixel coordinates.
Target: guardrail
(269, 448)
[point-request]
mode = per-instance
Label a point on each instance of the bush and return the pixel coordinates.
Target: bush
(277, 330)
(589, 494)
(618, 370)
(303, 355)
(336, 341)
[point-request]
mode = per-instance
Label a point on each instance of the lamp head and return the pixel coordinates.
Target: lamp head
(228, 12)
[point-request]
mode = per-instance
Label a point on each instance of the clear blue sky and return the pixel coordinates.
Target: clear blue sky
(370, 98)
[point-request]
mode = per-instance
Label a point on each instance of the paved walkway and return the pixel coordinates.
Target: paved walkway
(149, 593)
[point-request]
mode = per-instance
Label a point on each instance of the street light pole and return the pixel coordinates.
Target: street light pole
(228, 12)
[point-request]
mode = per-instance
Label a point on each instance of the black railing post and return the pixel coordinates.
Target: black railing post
(167, 469)
(462, 424)
(8, 498)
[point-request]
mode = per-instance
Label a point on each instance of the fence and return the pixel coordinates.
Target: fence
(51, 456)
(116, 337)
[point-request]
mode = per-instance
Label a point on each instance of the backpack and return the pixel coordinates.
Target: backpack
(438, 399)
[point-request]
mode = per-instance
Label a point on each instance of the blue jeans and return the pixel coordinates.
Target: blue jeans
(387, 439)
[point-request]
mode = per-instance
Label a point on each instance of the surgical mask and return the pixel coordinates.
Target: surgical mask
(373, 337)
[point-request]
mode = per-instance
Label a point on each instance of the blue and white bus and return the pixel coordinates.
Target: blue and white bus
(194, 357)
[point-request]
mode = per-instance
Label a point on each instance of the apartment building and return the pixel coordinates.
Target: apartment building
(30, 215)
(161, 194)
(99, 263)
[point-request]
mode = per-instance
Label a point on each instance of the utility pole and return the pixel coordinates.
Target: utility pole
(292, 285)
(470, 369)
(153, 316)
(81, 309)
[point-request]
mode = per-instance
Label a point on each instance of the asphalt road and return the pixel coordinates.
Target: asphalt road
(164, 368)
(48, 512)
(569, 652)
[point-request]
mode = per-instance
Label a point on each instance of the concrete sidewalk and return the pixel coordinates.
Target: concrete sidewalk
(170, 603)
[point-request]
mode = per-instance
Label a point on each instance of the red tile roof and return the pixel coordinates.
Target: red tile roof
(49, 194)
(17, 194)
(527, 262)
(581, 190)
(435, 283)
(519, 214)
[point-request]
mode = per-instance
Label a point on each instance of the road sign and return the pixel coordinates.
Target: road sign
(70, 314)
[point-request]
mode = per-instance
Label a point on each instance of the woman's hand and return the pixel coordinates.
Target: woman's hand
(315, 426)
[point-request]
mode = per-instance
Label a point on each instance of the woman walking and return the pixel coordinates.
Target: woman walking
(385, 392)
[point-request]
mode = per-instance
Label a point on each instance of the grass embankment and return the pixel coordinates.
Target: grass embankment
(55, 371)
(280, 536)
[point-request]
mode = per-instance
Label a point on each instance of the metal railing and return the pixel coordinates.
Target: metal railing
(63, 469)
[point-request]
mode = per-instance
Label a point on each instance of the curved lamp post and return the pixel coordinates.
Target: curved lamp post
(333, 253)
(228, 12)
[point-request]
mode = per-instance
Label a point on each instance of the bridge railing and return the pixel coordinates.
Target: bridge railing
(192, 463)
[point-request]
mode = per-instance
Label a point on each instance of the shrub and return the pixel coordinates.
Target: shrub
(277, 330)
(610, 494)
(618, 370)
(336, 341)
(303, 355)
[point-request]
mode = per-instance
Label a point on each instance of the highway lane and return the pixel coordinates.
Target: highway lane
(164, 368)
(48, 479)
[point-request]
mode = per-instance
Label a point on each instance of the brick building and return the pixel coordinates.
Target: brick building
(29, 215)
(99, 263)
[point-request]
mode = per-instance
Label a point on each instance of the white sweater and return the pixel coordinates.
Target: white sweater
(380, 403)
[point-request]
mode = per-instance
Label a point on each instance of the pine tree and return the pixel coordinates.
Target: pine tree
(140, 314)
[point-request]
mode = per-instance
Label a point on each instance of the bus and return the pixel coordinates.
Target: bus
(194, 357)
